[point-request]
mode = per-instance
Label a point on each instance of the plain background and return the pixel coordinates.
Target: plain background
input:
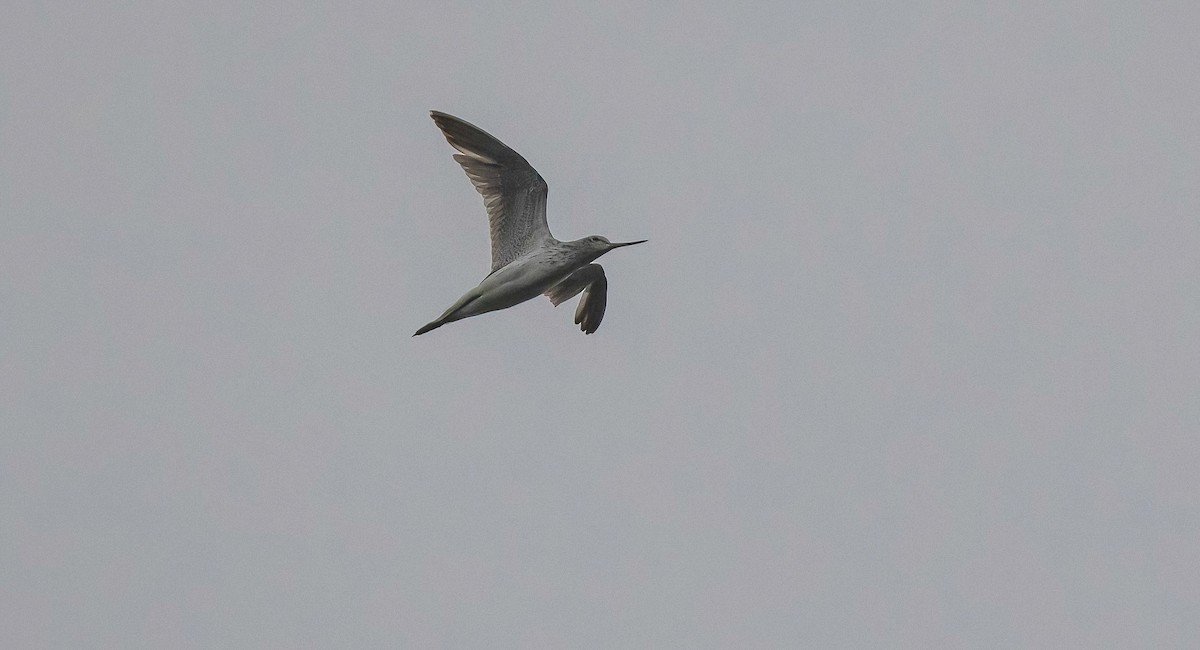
(911, 358)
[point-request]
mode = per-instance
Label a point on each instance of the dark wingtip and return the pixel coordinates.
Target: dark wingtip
(441, 119)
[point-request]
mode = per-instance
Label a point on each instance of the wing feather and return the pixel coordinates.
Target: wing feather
(514, 194)
(589, 280)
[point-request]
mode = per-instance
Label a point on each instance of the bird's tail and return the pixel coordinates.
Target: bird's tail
(455, 312)
(431, 326)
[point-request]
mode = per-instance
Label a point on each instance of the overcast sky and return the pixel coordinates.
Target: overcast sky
(912, 358)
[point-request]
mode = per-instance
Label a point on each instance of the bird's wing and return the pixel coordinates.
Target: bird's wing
(591, 281)
(513, 192)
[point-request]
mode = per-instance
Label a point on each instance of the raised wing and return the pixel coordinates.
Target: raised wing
(513, 192)
(591, 281)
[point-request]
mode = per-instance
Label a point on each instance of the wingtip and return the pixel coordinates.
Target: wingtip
(440, 117)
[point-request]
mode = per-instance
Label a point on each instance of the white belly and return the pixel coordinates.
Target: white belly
(521, 280)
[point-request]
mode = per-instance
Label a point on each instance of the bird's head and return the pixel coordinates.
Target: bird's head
(597, 245)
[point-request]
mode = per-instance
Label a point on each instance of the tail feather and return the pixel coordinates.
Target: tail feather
(455, 312)
(431, 326)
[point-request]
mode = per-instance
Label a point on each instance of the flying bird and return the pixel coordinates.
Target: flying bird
(527, 261)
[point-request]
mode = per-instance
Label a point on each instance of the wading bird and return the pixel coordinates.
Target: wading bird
(527, 260)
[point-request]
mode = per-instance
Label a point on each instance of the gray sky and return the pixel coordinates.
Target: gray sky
(911, 359)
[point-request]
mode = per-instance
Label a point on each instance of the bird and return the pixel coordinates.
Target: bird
(527, 261)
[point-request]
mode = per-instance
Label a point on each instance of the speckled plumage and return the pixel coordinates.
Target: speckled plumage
(527, 260)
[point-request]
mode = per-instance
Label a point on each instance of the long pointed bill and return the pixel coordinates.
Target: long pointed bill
(626, 243)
